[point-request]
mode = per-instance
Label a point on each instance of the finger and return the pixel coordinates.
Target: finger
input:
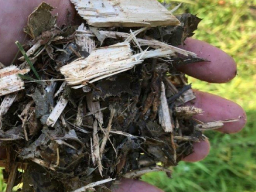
(216, 108)
(14, 16)
(129, 185)
(220, 68)
(201, 150)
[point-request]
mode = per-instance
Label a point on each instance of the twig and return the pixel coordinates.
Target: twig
(91, 185)
(12, 177)
(104, 141)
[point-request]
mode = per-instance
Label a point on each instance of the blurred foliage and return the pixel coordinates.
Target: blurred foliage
(231, 165)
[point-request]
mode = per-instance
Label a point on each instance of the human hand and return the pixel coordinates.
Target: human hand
(221, 69)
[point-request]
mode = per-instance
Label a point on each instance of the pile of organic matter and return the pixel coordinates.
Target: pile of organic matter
(87, 105)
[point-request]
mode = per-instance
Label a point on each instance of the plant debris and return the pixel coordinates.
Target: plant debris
(102, 100)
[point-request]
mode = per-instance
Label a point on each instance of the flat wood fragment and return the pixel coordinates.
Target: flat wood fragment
(188, 96)
(164, 112)
(124, 13)
(56, 112)
(101, 63)
(10, 82)
(105, 62)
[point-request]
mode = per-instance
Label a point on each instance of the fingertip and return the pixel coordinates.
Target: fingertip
(221, 67)
(129, 185)
(201, 150)
(219, 109)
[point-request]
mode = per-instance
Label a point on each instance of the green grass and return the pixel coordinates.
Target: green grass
(231, 164)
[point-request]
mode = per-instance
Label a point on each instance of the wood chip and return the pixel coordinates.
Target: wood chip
(164, 112)
(5, 105)
(101, 63)
(91, 185)
(10, 82)
(123, 13)
(96, 147)
(56, 112)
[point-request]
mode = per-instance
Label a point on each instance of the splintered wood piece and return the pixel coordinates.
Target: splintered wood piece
(106, 133)
(10, 82)
(214, 124)
(101, 63)
(188, 111)
(105, 62)
(143, 42)
(96, 147)
(6, 103)
(188, 96)
(83, 39)
(123, 13)
(56, 112)
(164, 112)
(92, 185)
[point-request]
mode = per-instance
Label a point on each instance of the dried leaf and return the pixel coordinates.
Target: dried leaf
(40, 20)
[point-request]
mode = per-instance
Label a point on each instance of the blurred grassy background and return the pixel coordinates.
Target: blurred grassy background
(231, 164)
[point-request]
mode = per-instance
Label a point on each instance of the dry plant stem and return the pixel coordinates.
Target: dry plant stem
(12, 177)
(94, 108)
(92, 185)
(24, 116)
(56, 112)
(106, 133)
(96, 147)
(43, 164)
(10, 82)
(164, 112)
(104, 13)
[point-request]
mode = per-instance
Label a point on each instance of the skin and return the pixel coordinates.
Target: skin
(220, 68)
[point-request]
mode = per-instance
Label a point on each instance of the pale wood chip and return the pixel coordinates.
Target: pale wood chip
(164, 112)
(91, 185)
(57, 111)
(10, 82)
(132, 13)
(96, 147)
